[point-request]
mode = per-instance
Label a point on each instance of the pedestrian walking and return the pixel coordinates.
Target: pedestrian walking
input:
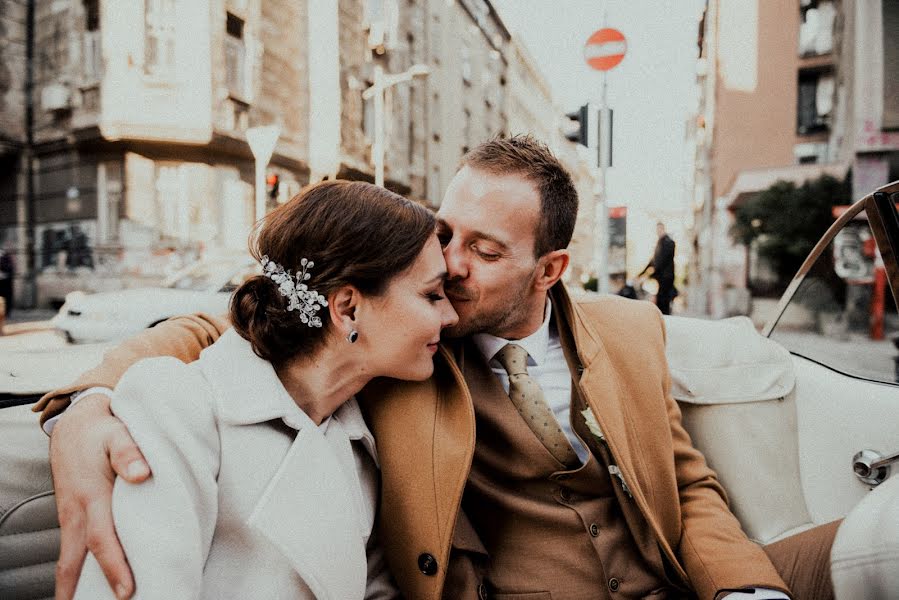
(662, 265)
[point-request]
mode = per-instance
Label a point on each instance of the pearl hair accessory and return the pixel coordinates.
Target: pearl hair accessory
(294, 288)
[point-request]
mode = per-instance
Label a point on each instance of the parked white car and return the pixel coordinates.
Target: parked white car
(205, 286)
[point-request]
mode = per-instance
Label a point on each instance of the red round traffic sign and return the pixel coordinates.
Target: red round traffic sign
(605, 49)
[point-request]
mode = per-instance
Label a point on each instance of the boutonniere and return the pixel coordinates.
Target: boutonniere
(595, 429)
(592, 425)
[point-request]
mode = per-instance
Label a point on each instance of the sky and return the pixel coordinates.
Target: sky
(652, 91)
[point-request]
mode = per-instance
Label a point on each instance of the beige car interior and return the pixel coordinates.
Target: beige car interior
(781, 432)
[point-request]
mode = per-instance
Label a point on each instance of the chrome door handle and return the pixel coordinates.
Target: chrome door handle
(872, 467)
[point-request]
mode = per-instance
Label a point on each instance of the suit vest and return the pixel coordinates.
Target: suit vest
(546, 530)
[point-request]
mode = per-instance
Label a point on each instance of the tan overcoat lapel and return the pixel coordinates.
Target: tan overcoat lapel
(429, 426)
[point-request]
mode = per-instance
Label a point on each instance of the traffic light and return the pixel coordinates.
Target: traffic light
(591, 120)
(272, 182)
(582, 117)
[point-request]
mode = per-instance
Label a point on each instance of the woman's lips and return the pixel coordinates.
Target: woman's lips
(433, 346)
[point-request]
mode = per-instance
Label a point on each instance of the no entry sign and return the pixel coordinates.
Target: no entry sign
(605, 49)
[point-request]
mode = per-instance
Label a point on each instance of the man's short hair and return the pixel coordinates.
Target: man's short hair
(525, 155)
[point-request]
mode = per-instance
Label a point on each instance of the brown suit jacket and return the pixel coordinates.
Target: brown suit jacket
(426, 437)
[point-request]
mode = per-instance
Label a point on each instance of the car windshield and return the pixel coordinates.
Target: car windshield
(221, 275)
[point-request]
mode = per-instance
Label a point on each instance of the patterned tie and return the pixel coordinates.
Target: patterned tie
(528, 398)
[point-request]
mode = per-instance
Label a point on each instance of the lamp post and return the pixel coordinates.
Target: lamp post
(382, 81)
(262, 142)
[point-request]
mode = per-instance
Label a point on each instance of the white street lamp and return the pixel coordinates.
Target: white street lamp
(262, 142)
(376, 90)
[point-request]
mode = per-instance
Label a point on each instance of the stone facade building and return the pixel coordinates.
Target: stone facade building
(123, 125)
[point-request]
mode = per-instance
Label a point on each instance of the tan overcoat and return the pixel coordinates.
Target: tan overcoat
(426, 436)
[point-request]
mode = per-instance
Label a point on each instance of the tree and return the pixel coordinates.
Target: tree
(786, 221)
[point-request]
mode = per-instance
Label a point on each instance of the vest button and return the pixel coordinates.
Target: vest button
(614, 584)
(482, 592)
(594, 529)
(427, 564)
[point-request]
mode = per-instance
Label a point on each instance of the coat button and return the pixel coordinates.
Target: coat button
(427, 564)
(482, 592)
(594, 529)
(614, 584)
(564, 494)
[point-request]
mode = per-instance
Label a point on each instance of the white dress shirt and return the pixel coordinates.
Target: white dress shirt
(546, 365)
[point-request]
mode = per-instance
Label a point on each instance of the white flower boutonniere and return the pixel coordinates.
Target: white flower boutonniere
(595, 429)
(592, 425)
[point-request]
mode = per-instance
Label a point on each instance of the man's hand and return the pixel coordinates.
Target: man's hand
(88, 448)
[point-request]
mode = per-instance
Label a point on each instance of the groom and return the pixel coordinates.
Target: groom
(581, 481)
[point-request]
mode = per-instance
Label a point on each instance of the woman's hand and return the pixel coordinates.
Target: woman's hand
(88, 448)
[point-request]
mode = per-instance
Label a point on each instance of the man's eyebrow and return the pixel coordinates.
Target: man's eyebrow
(477, 234)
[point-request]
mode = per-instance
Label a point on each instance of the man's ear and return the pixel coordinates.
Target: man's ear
(550, 268)
(342, 304)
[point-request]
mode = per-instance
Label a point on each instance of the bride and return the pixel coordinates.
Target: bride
(265, 477)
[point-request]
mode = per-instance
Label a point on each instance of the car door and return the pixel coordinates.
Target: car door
(838, 320)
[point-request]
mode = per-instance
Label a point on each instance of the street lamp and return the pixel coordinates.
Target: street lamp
(382, 81)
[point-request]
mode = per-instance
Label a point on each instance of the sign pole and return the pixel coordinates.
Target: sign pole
(601, 219)
(603, 51)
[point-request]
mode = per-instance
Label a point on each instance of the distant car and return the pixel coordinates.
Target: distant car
(205, 286)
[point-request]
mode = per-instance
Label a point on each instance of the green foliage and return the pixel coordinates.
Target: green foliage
(592, 285)
(787, 221)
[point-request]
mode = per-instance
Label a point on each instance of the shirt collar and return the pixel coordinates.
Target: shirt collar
(536, 344)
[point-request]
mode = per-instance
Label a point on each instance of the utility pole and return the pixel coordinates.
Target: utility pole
(382, 81)
(603, 51)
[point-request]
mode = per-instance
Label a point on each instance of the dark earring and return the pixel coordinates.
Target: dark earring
(354, 335)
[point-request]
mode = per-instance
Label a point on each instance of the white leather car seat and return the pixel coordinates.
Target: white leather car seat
(866, 550)
(29, 529)
(734, 387)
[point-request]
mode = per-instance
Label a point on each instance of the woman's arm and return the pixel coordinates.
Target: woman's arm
(90, 447)
(165, 525)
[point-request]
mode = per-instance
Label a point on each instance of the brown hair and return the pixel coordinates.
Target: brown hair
(356, 233)
(525, 155)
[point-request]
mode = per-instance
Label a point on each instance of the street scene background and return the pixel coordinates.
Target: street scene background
(140, 141)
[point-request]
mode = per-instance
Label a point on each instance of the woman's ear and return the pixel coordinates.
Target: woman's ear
(550, 268)
(342, 304)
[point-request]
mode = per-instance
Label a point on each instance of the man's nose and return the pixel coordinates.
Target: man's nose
(456, 262)
(448, 316)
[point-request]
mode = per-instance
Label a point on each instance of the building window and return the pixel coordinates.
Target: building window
(815, 102)
(235, 57)
(92, 15)
(368, 116)
(159, 50)
(890, 65)
(816, 27)
(466, 64)
(466, 131)
(92, 55)
(381, 17)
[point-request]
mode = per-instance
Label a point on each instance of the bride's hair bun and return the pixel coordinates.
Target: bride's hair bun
(356, 234)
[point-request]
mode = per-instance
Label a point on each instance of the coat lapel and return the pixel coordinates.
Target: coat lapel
(310, 509)
(425, 432)
(307, 512)
(599, 382)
